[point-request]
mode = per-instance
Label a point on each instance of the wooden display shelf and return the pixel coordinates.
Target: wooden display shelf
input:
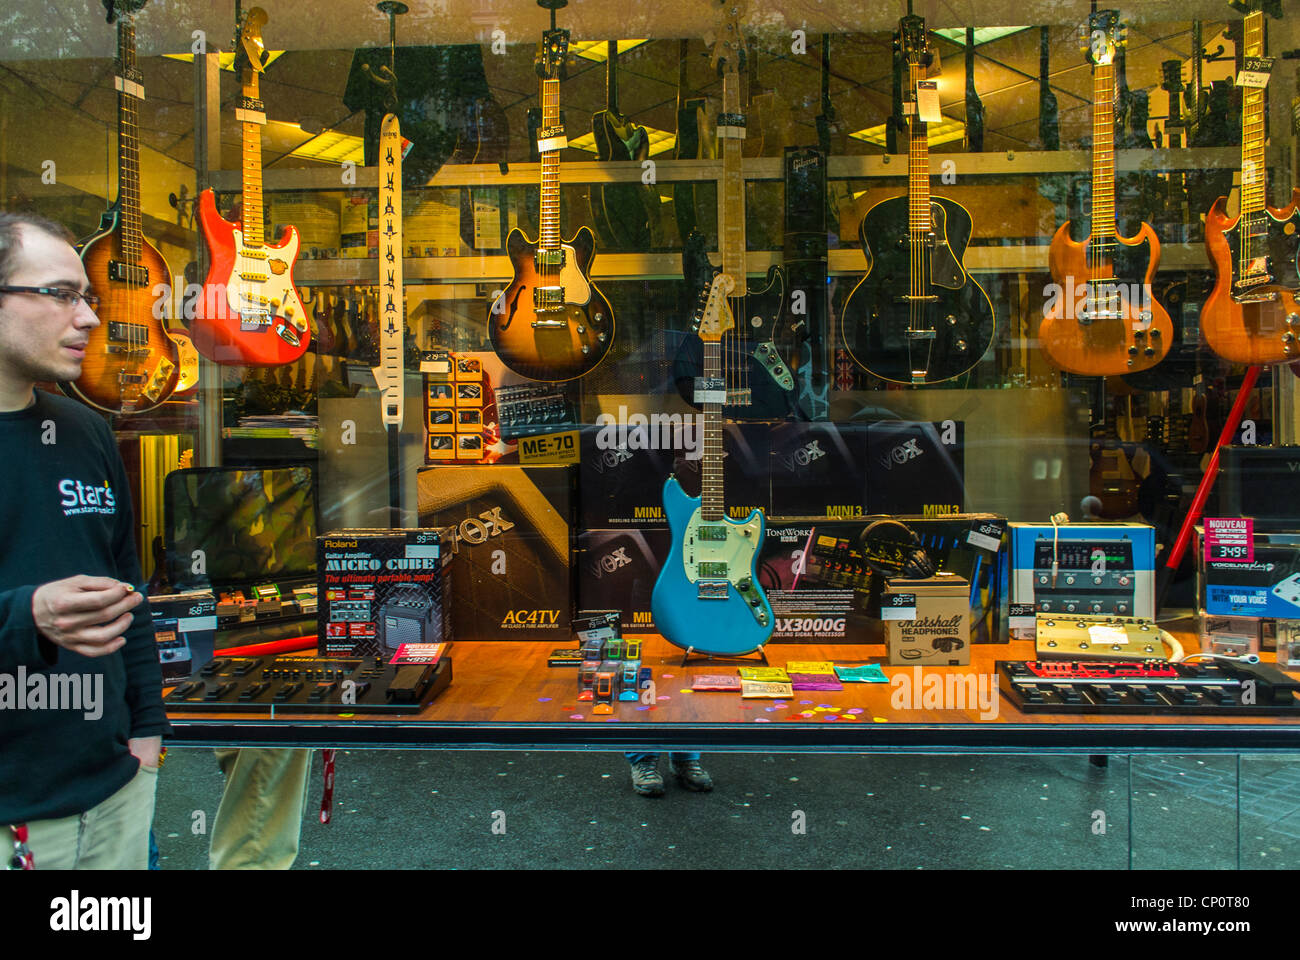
(504, 696)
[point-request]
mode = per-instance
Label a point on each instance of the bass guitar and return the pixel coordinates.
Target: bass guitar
(707, 598)
(1251, 315)
(1101, 318)
(551, 323)
(917, 316)
(131, 364)
(250, 312)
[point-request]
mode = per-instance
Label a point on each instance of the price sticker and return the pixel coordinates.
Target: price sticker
(899, 606)
(1230, 539)
(1020, 616)
(710, 390)
(927, 101)
(1255, 72)
(986, 535)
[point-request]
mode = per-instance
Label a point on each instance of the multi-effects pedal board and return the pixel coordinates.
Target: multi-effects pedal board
(1148, 686)
(310, 685)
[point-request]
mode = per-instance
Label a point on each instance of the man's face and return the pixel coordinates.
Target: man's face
(41, 338)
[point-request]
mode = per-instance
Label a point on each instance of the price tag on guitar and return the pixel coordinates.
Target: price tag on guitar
(1255, 72)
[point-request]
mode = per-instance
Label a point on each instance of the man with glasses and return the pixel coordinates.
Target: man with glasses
(81, 714)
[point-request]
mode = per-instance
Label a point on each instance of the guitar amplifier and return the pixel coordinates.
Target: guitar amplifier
(1092, 568)
(1260, 482)
(408, 616)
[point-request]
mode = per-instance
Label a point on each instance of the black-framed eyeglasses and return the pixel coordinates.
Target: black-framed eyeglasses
(66, 297)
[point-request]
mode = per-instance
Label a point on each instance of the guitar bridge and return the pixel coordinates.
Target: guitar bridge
(914, 334)
(921, 298)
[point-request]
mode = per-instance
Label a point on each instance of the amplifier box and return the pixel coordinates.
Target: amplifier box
(1264, 583)
(380, 589)
(509, 528)
(185, 626)
(617, 569)
(1095, 568)
(858, 469)
(1259, 482)
(822, 588)
(624, 466)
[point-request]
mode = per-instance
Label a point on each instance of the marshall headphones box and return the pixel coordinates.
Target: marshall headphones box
(617, 569)
(380, 589)
(825, 578)
(856, 469)
(509, 528)
(624, 467)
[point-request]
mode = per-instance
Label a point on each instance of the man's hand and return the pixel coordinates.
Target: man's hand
(87, 615)
(145, 749)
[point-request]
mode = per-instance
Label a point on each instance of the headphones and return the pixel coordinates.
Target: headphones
(914, 564)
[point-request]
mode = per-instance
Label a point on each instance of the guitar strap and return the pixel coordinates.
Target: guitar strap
(805, 251)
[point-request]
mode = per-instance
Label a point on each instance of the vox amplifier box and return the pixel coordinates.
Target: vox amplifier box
(617, 569)
(185, 626)
(849, 470)
(624, 466)
(379, 589)
(509, 528)
(822, 576)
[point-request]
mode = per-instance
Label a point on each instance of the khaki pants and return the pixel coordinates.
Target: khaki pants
(112, 835)
(260, 818)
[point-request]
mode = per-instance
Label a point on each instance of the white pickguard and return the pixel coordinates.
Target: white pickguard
(737, 551)
(576, 288)
(247, 291)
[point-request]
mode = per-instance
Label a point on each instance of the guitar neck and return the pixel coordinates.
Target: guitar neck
(549, 238)
(731, 213)
(918, 164)
(128, 145)
(711, 501)
(1103, 151)
(250, 103)
(1252, 125)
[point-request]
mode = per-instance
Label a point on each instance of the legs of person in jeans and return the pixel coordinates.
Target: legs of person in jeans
(259, 822)
(113, 835)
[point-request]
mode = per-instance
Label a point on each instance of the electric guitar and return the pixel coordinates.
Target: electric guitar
(1101, 319)
(1251, 315)
(621, 212)
(250, 312)
(551, 323)
(1049, 113)
(707, 597)
(917, 316)
(131, 364)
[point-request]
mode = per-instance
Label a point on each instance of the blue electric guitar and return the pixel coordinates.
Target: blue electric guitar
(707, 598)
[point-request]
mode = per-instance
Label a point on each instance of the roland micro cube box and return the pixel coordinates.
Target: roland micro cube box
(380, 589)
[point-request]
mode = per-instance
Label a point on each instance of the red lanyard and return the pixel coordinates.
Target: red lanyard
(22, 858)
(327, 797)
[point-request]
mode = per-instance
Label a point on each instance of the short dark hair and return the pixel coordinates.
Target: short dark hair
(11, 236)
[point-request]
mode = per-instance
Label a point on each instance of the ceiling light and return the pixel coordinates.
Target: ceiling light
(945, 131)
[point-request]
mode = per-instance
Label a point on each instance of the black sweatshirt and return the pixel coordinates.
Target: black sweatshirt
(65, 509)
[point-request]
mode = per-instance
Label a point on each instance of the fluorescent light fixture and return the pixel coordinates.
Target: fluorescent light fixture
(661, 141)
(945, 131)
(226, 60)
(596, 50)
(332, 147)
(982, 34)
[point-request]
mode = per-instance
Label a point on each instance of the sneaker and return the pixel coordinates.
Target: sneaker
(691, 775)
(646, 778)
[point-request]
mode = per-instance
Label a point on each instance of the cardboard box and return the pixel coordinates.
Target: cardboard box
(185, 626)
(929, 631)
(510, 528)
(617, 570)
(379, 589)
(1106, 568)
(1265, 585)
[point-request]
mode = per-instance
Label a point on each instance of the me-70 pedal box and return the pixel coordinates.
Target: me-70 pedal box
(310, 685)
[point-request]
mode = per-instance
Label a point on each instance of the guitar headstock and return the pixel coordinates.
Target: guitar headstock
(1172, 76)
(1102, 38)
(250, 51)
(912, 41)
(716, 318)
(116, 9)
(552, 55)
(728, 50)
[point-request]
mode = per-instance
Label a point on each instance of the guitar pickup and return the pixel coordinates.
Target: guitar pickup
(130, 333)
(713, 589)
(549, 259)
(548, 300)
(713, 568)
(136, 274)
(712, 532)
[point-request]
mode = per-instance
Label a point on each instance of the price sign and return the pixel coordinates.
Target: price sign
(1230, 539)
(898, 606)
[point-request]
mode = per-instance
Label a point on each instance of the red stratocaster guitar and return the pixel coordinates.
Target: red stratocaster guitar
(250, 312)
(131, 363)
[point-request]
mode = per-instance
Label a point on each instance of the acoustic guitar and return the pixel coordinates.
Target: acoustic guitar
(131, 364)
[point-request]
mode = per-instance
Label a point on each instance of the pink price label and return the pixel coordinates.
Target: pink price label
(1230, 539)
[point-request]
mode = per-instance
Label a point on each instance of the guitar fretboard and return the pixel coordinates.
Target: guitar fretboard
(1103, 152)
(918, 164)
(128, 149)
(549, 238)
(711, 501)
(1252, 125)
(252, 160)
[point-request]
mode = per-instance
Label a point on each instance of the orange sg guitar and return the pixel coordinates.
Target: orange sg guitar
(552, 323)
(131, 363)
(1251, 315)
(1101, 318)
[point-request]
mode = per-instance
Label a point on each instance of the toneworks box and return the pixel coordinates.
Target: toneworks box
(825, 577)
(617, 569)
(624, 467)
(510, 529)
(379, 589)
(858, 469)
